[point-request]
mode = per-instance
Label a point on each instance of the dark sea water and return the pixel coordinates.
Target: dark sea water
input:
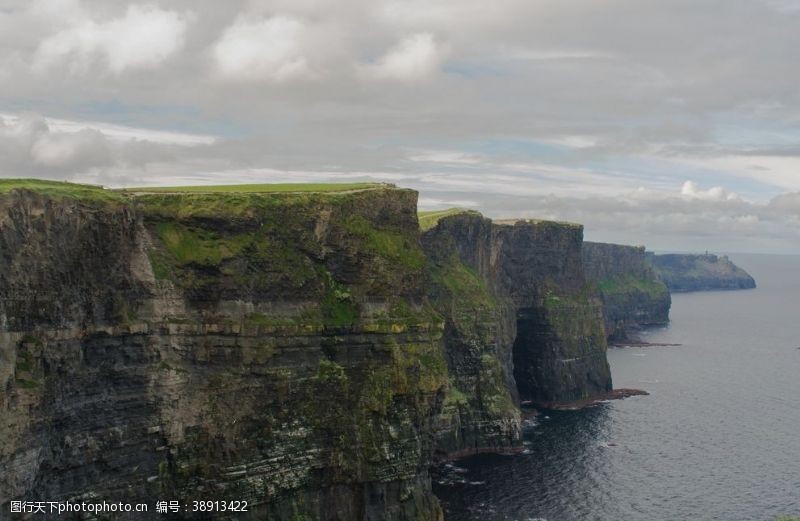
(718, 438)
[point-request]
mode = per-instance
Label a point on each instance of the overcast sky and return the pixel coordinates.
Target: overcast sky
(674, 124)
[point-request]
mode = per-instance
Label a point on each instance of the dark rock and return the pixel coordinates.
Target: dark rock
(520, 323)
(269, 349)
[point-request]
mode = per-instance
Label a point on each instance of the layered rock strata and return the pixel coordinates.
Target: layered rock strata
(521, 324)
(309, 353)
(274, 349)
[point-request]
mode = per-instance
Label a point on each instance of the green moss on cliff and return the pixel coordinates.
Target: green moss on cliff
(393, 245)
(626, 283)
(477, 410)
(462, 284)
(332, 374)
(289, 244)
(363, 411)
(27, 384)
(337, 304)
(198, 246)
(26, 371)
(575, 317)
(198, 253)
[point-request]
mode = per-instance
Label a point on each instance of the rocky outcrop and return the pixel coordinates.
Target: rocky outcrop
(700, 272)
(632, 295)
(520, 324)
(275, 349)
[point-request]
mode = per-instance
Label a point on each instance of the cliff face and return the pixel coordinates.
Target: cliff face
(631, 292)
(480, 411)
(270, 348)
(700, 272)
(520, 323)
(302, 352)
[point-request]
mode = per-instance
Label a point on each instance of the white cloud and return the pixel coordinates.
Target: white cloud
(63, 150)
(525, 54)
(787, 203)
(143, 38)
(27, 145)
(123, 133)
(270, 50)
(447, 157)
(777, 170)
(692, 190)
(31, 145)
(415, 57)
(530, 116)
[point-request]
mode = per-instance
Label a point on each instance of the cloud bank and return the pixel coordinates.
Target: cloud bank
(649, 121)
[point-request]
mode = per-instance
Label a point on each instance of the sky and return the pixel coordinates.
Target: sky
(670, 124)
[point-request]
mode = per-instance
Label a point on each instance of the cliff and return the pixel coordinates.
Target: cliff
(310, 352)
(273, 348)
(520, 324)
(700, 272)
(631, 292)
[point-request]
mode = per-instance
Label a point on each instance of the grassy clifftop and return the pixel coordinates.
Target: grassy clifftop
(89, 191)
(259, 188)
(429, 219)
(61, 190)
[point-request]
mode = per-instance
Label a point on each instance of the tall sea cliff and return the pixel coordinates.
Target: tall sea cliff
(311, 353)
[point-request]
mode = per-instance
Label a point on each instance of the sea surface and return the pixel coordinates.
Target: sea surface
(718, 437)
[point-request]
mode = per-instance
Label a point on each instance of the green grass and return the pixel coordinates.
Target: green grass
(27, 384)
(428, 220)
(627, 283)
(337, 304)
(258, 188)
(463, 284)
(537, 222)
(198, 246)
(59, 190)
(392, 245)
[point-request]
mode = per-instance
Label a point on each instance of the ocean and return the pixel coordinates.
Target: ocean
(718, 438)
